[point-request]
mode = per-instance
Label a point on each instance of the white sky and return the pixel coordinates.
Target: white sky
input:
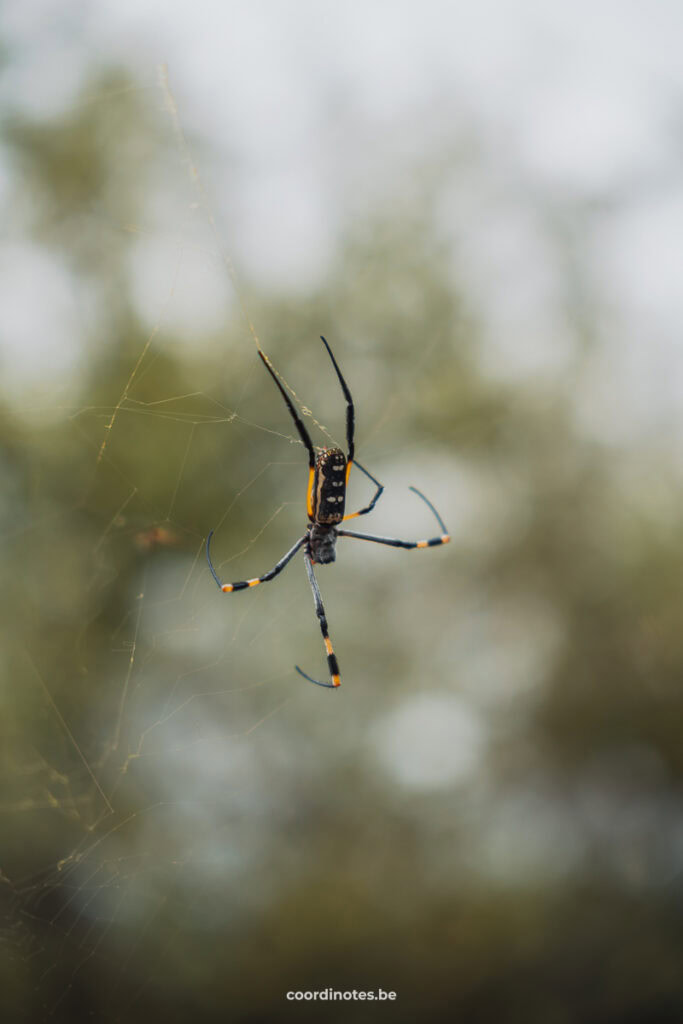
(316, 104)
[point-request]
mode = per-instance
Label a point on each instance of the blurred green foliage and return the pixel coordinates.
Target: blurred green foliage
(119, 906)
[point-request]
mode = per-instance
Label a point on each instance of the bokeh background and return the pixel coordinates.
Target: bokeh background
(481, 206)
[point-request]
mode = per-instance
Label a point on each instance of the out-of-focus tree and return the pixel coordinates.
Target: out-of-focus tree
(544, 888)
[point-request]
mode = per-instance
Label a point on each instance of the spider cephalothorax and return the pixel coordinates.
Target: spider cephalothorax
(322, 543)
(328, 476)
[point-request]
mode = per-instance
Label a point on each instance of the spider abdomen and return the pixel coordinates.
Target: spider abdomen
(329, 487)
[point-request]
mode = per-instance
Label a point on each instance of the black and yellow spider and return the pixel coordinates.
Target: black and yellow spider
(328, 476)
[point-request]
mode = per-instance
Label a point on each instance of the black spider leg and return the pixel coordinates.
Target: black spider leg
(320, 612)
(299, 423)
(377, 495)
(227, 588)
(350, 427)
(431, 543)
(350, 414)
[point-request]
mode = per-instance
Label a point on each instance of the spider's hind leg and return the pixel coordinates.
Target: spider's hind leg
(377, 495)
(350, 413)
(432, 542)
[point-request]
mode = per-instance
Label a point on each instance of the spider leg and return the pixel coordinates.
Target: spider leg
(300, 426)
(377, 496)
(431, 543)
(320, 612)
(227, 588)
(350, 414)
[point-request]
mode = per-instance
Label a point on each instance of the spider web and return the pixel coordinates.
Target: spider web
(155, 773)
(190, 829)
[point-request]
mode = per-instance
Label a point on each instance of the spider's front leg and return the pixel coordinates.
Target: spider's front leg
(332, 663)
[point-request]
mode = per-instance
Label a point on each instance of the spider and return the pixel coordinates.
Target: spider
(328, 476)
